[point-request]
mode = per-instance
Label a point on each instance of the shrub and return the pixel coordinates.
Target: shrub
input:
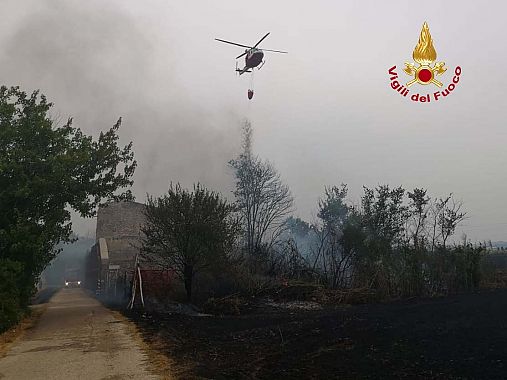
(10, 293)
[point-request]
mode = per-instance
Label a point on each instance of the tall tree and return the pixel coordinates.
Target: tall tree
(384, 215)
(263, 200)
(45, 172)
(446, 215)
(331, 258)
(449, 218)
(189, 231)
(418, 209)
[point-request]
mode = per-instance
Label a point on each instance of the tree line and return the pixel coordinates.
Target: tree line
(395, 241)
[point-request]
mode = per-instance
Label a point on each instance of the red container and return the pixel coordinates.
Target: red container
(156, 283)
(250, 94)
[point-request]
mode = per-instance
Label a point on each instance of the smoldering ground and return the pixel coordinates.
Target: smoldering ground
(96, 62)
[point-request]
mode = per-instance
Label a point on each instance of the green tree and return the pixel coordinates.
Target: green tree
(10, 305)
(384, 217)
(418, 209)
(45, 172)
(298, 227)
(330, 256)
(189, 231)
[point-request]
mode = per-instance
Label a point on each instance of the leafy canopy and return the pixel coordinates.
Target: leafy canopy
(47, 170)
(189, 231)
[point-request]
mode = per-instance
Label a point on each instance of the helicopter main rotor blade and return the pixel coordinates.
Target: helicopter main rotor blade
(262, 39)
(275, 51)
(241, 55)
(232, 43)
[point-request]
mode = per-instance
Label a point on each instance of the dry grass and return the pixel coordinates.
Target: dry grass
(497, 279)
(8, 338)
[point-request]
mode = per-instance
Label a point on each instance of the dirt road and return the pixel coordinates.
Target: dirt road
(76, 338)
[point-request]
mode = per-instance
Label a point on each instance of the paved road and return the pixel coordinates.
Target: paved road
(76, 338)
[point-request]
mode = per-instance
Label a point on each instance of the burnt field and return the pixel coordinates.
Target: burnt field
(455, 337)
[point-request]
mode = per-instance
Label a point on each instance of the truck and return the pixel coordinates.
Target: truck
(72, 278)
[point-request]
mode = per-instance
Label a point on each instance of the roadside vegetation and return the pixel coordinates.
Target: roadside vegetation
(47, 169)
(190, 232)
(393, 244)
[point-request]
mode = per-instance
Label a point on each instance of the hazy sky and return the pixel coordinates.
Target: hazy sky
(323, 114)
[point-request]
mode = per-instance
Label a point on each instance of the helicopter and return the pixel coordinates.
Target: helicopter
(254, 56)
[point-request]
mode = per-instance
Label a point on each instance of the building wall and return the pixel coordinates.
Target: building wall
(120, 219)
(119, 224)
(111, 270)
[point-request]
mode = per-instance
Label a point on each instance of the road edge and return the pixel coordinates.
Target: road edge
(160, 364)
(16, 332)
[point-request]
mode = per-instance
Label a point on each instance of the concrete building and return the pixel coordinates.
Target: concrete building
(111, 261)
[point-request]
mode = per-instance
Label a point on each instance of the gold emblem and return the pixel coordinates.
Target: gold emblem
(424, 54)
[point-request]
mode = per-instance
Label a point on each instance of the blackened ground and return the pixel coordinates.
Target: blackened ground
(456, 337)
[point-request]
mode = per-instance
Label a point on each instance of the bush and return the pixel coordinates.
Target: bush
(493, 269)
(231, 305)
(237, 278)
(11, 309)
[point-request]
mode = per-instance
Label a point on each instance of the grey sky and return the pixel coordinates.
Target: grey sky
(324, 113)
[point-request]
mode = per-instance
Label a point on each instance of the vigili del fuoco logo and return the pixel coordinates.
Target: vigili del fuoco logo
(425, 72)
